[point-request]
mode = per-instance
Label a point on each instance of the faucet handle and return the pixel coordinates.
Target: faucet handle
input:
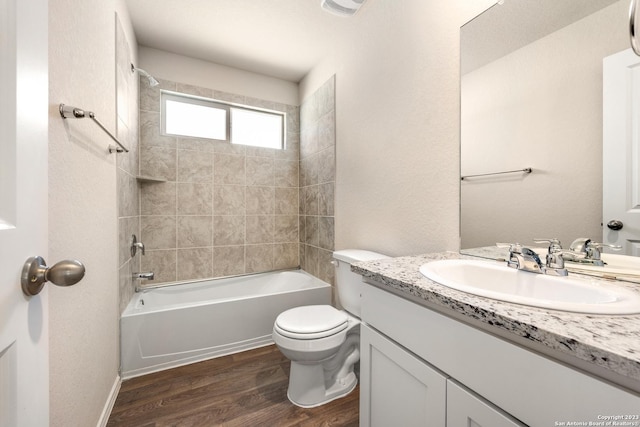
(604, 245)
(554, 244)
(135, 245)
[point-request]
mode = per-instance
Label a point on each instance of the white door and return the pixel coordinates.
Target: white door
(621, 151)
(24, 365)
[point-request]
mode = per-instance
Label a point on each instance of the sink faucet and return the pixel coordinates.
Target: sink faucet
(584, 250)
(555, 257)
(524, 259)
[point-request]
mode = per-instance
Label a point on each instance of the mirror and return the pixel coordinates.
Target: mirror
(531, 97)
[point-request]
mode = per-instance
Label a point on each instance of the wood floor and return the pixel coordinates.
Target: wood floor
(244, 389)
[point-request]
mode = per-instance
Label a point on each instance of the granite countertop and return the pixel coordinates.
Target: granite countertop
(611, 342)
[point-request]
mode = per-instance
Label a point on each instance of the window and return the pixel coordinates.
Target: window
(184, 115)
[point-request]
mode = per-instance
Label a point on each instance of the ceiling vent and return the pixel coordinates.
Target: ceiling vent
(342, 7)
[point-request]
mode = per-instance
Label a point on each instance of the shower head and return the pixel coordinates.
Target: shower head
(152, 81)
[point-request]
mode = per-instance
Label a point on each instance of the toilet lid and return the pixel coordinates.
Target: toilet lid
(312, 321)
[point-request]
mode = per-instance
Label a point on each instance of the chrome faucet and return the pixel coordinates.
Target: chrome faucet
(555, 257)
(146, 276)
(524, 259)
(584, 250)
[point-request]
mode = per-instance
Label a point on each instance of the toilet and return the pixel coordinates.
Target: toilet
(322, 342)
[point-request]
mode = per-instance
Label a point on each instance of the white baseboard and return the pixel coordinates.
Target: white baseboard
(106, 412)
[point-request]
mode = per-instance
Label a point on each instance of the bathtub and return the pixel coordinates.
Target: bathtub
(166, 327)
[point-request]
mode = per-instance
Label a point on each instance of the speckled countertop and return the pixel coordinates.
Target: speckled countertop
(611, 342)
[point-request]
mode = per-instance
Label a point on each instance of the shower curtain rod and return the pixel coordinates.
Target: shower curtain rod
(67, 111)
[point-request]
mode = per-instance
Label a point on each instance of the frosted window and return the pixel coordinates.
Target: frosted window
(195, 119)
(256, 128)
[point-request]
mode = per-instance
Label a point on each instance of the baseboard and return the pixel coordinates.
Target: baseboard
(113, 395)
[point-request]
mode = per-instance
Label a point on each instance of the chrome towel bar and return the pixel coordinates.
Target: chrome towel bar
(525, 170)
(67, 112)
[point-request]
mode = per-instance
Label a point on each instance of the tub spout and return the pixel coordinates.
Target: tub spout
(145, 276)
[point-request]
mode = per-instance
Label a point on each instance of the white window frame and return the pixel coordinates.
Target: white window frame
(227, 106)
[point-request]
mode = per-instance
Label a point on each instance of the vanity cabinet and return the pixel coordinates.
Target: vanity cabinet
(421, 367)
(398, 388)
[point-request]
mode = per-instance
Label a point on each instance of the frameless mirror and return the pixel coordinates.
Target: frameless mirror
(532, 98)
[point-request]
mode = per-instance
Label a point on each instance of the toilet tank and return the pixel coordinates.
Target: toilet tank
(349, 283)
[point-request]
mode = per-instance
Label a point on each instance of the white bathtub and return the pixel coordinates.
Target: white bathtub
(171, 326)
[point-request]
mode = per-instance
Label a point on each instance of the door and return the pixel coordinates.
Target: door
(621, 151)
(24, 373)
(397, 388)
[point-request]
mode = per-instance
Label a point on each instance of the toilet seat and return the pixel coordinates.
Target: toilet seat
(311, 322)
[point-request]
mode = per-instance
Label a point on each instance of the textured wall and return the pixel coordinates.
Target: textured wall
(397, 125)
(224, 209)
(83, 213)
(317, 181)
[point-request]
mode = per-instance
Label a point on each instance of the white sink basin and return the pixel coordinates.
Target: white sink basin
(497, 281)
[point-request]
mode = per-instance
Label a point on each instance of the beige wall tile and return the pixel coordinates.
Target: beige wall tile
(260, 228)
(325, 232)
(285, 173)
(229, 200)
(286, 255)
(228, 260)
(229, 169)
(311, 230)
(162, 263)
(260, 200)
(158, 232)
(195, 199)
(158, 198)
(195, 166)
(195, 263)
(326, 199)
(259, 258)
(326, 165)
(194, 231)
(158, 162)
(286, 201)
(286, 229)
(260, 171)
(194, 90)
(228, 230)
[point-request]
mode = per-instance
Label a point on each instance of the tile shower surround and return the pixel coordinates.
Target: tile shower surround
(127, 101)
(224, 209)
(317, 181)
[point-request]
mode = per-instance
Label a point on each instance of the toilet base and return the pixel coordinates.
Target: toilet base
(307, 386)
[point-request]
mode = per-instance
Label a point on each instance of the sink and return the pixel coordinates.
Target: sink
(497, 281)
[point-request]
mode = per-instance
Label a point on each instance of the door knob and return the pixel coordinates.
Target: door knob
(35, 274)
(615, 224)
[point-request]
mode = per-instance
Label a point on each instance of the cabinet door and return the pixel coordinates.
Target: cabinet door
(397, 388)
(464, 409)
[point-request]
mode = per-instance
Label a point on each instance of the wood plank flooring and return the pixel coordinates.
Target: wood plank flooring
(244, 389)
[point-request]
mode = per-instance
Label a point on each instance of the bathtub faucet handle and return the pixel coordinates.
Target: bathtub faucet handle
(146, 276)
(135, 245)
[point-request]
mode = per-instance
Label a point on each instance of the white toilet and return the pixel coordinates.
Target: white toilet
(323, 342)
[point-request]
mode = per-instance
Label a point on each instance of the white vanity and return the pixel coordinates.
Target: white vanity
(434, 356)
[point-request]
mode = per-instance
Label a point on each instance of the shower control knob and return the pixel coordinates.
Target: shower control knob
(615, 224)
(35, 274)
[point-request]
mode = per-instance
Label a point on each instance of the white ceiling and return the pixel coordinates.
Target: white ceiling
(279, 38)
